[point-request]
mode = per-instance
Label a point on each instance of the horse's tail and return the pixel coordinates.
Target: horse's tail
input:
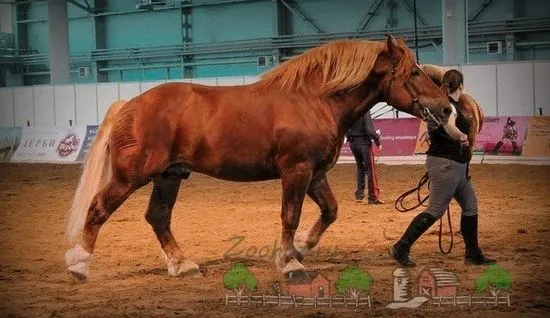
(96, 172)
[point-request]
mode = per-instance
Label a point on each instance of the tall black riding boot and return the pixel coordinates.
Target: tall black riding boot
(496, 148)
(473, 254)
(515, 149)
(419, 225)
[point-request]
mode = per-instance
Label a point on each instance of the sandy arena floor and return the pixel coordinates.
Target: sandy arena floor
(128, 276)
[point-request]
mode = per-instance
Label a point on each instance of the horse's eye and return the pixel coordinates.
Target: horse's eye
(415, 72)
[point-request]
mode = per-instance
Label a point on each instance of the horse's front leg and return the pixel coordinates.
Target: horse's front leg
(295, 182)
(319, 191)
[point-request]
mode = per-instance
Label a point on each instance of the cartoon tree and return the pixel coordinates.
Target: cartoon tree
(495, 279)
(354, 280)
(238, 278)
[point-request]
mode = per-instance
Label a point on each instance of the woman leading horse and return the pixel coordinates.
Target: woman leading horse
(289, 125)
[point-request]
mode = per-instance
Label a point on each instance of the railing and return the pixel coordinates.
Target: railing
(280, 300)
(475, 29)
(471, 300)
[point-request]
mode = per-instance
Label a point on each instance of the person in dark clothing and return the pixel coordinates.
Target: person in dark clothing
(447, 164)
(360, 137)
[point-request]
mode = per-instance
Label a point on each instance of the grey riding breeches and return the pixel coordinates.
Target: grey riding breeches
(448, 180)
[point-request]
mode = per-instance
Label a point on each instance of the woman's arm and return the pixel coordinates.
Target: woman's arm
(453, 131)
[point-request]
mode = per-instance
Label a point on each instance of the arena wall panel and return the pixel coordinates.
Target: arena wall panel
(64, 105)
(106, 94)
(127, 91)
(542, 87)
(86, 104)
(6, 107)
(211, 81)
(44, 105)
(250, 79)
(24, 109)
(145, 86)
(230, 81)
(515, 89)
(480, 82)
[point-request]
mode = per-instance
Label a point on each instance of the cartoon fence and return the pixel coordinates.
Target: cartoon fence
(471, 300)
(280, 300)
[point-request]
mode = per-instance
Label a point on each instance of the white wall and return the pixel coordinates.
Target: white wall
(6, 107)
(515, 89)
(542, 87)
(6, 18)
(502, 89)
(480, 81)
(44, 105)
(23, 99)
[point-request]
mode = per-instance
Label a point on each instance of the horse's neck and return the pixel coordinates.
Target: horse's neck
(347, 109)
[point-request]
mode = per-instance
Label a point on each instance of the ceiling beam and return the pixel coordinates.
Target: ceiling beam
(371, 12)
(292, 7)
(410, 8)
(484, 5)
(86, 7)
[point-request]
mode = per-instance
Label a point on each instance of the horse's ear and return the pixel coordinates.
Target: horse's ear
(392, 46)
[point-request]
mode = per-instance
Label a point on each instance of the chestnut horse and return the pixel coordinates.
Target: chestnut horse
(288, 125)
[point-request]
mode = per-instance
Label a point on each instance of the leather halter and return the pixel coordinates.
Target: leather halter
(425, 112)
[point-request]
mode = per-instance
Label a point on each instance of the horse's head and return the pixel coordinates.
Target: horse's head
(407, 87)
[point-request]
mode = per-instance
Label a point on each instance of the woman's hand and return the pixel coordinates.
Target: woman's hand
(464, 140)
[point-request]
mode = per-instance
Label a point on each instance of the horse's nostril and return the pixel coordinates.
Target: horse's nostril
(447, 111)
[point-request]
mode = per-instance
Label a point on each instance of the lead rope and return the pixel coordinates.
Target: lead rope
(401, 208)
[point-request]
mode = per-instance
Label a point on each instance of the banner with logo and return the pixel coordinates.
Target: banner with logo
(10, 137)
(49, 144)
(91, 131)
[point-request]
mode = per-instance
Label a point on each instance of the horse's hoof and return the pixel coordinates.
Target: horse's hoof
(192, 273)
(185, 269)
(78, 263)
(77, 277)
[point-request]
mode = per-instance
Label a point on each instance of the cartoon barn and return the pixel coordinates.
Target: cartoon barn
(308, 285)
(435, 282)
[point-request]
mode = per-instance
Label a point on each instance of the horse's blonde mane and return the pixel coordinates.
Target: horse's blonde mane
(340, 65)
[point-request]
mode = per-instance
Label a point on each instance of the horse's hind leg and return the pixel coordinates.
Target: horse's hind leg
(103, 205)
(159, 213)
(319, 191)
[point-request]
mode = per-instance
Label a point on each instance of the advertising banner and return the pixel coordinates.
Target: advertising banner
(91, 131)
(398, 136)
(49, 144)
(538, 137)
(503, 135)
(10, 137)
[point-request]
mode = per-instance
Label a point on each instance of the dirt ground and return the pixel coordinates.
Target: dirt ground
(128, 276)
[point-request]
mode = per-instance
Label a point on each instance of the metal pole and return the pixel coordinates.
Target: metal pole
(415, 32)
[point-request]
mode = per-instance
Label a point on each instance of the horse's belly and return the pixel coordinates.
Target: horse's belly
(241, 172)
